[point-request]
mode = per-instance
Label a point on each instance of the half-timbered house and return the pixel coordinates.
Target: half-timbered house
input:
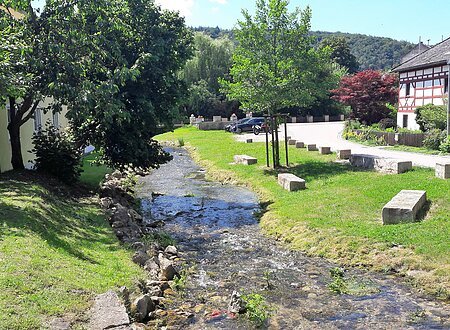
(423, 80)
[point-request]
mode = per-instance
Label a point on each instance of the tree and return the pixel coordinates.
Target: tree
(367, 93)
(114, 64)
(275, 64)
(340, 52)
(431, 116)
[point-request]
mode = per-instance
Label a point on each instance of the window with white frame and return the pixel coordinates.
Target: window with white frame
(37, 120)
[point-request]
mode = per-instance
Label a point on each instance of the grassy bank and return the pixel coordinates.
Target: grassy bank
(92, 173)
(56, 253)
(339, 215)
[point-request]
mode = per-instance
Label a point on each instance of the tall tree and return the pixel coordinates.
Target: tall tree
(113, 63)
(275, 64)
(340, 52)
(367, 93)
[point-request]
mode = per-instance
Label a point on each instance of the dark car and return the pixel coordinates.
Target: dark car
(230, 127)
(247, 126)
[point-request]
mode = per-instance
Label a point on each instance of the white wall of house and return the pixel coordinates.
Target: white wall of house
(410, 120)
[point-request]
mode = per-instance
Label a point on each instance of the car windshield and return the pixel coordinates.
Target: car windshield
(243, 120)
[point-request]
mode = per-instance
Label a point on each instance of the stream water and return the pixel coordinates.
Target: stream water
(219, 238)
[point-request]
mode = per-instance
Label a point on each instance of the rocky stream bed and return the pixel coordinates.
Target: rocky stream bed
(223, 250)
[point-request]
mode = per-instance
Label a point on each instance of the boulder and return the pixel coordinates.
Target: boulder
(108, 312)
(168, 271)
(291, 182)
(404, 207)
(140, 258)
(142, 306)
(171, 250)
(237, 305)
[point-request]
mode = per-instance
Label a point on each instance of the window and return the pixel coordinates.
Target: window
(56, 120)
(437, 82)
(37, 120)
(408, 89)
(428, 83)
(419, 84)
(405, 121)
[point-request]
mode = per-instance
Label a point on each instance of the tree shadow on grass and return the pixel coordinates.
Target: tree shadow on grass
(315, 170)
(62, 223)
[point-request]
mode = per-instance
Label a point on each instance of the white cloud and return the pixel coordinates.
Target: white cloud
(183, 6)
(215, 10)
(221, 2)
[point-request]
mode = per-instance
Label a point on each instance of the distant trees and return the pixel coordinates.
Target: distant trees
(340, 52)
(367, 93)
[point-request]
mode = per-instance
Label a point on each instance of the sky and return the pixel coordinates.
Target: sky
(398, 19)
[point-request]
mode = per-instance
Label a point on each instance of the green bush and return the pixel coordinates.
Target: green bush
(56, 154)
(386, 123)
(433, 139)
(431, 116)
(445, 146)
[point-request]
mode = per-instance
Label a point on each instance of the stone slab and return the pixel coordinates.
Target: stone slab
(404, 207)
(299, 144)
(443, 170)
(325, 150)
(344, 154)
(108, 312)
(292, 142)
(311, 147)
(291, 182)
(249, 141)
(382, 165)
(245, 160)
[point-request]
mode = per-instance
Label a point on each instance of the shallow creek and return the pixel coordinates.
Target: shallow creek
(219, 238)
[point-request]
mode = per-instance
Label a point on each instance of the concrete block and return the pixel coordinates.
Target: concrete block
(325, 150)
(327, 118)
(404, 207)
(310, 119)
(249, 141)
(311, 147)
(299, 144)
(382, 165)
(292, 142)
(344, 154)
(293, 119)
(245, 160)
(443, 170)
(291, 182)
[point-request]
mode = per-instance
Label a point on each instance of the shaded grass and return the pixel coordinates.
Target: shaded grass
(93, 174)
(56, 253)
(339, 214)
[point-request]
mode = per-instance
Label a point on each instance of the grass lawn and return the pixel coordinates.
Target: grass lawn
(93, 174)
(56, 253)
(339, 215)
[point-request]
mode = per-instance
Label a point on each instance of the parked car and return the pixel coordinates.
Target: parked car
(247, 126)
(230, 127)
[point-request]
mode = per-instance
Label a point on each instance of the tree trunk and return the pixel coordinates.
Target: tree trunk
(16, 147)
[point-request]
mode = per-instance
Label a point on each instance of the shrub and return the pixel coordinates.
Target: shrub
(56, 154)
(433, 139)
(386, 123)
(445, 146)
(431, 116)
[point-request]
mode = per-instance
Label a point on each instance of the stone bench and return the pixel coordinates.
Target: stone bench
(344, 154)
(291, 182)
(311, 147)
(245, 160)
(299, 144)
(404, 207)
(292, 142)
(382, 165)
(325, 150)
(443, 170)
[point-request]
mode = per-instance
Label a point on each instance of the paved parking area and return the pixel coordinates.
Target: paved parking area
(329, 135)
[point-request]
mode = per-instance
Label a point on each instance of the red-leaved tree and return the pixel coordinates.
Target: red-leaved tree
(367, 93)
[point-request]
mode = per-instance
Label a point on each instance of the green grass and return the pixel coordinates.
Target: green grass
(339, 215)
(93, 174)
(415, 149)
(56, 254)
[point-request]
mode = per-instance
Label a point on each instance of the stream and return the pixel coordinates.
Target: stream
(223, 249)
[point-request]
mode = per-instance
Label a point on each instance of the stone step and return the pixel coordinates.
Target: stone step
(382, 165)
(245, 160)
(404, 207)
(291, 182)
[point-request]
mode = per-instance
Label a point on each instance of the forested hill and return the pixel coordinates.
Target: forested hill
(371, 52)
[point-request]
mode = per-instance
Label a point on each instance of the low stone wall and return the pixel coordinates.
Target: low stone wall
(382, 165)
(212, 126)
